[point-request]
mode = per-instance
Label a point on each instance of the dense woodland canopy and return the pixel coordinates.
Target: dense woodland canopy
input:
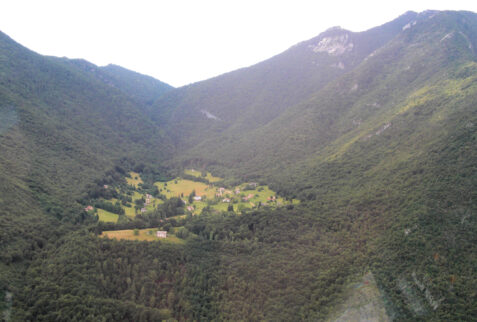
(374, 132)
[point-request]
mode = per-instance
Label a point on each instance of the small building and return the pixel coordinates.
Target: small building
(250, 196)
(143, 210)
(253, 184)
(105, 186)
(226, 200)
(237, 191)
(89, 208)
(190, 208)
(161, 234)
(197, 198)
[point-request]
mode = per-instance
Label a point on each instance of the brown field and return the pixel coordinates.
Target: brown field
(128, 234)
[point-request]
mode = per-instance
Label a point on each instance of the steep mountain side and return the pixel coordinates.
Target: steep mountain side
(249, 98)
(386, 153)
(351, 108)
(142, 89)
(60, 129)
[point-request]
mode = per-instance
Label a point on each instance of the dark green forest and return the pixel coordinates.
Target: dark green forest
(378, 143)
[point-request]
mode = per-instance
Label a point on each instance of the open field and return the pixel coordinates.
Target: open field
(148, 234)
(176, 187)
(107, 216)
(135, 179)
(209, 176)
(129, 211)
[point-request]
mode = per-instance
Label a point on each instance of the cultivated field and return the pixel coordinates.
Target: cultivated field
(148, 234)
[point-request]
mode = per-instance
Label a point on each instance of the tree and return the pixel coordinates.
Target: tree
(191, 197)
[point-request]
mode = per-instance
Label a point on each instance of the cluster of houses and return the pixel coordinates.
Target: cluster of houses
(222, 192)
(147, 202)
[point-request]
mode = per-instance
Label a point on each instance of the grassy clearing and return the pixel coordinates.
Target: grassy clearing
(129, 211)
(136, 196)
(178, 187)
(134, 180)
(197, 174)
(148, 234)
(107, 216)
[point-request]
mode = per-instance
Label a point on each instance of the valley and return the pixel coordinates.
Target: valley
(195, 196)
(334, 181)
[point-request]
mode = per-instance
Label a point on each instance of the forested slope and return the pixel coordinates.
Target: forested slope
(60, 129)
(375, 133)
(385, 154)
(232, 104)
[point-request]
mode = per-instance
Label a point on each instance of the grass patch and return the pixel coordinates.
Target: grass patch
(178, 187)
(134, 180)
(107, 216)
(148, 234)
(198, 174)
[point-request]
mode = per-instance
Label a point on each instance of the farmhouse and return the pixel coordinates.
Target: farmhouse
(190, 208)
(161, 234)
(250, 196)
(89, 208)
(226, 200)
(197, 198)
(220, 192)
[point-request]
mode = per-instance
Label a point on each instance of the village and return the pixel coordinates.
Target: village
(195, 195)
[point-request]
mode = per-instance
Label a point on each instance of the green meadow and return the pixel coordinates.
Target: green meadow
(134, 180)
(107, 216)
(198, 174)
(182, 188)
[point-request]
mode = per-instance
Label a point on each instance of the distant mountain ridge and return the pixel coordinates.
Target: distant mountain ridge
(252, 97)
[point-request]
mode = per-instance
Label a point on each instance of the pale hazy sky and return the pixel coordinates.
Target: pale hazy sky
(181, 42)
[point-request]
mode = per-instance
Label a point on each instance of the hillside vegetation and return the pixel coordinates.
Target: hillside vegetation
(374, 132)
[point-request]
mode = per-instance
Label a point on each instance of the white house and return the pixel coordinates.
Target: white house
(197, 198)
(161, 234)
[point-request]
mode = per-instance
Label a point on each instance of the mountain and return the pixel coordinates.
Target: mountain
(374, 132)
(252, 97)
(141, 88)
(61, 128)
(384, 149)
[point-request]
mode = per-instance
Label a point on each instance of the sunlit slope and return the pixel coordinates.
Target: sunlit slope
(386, 150)
(220, 110)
